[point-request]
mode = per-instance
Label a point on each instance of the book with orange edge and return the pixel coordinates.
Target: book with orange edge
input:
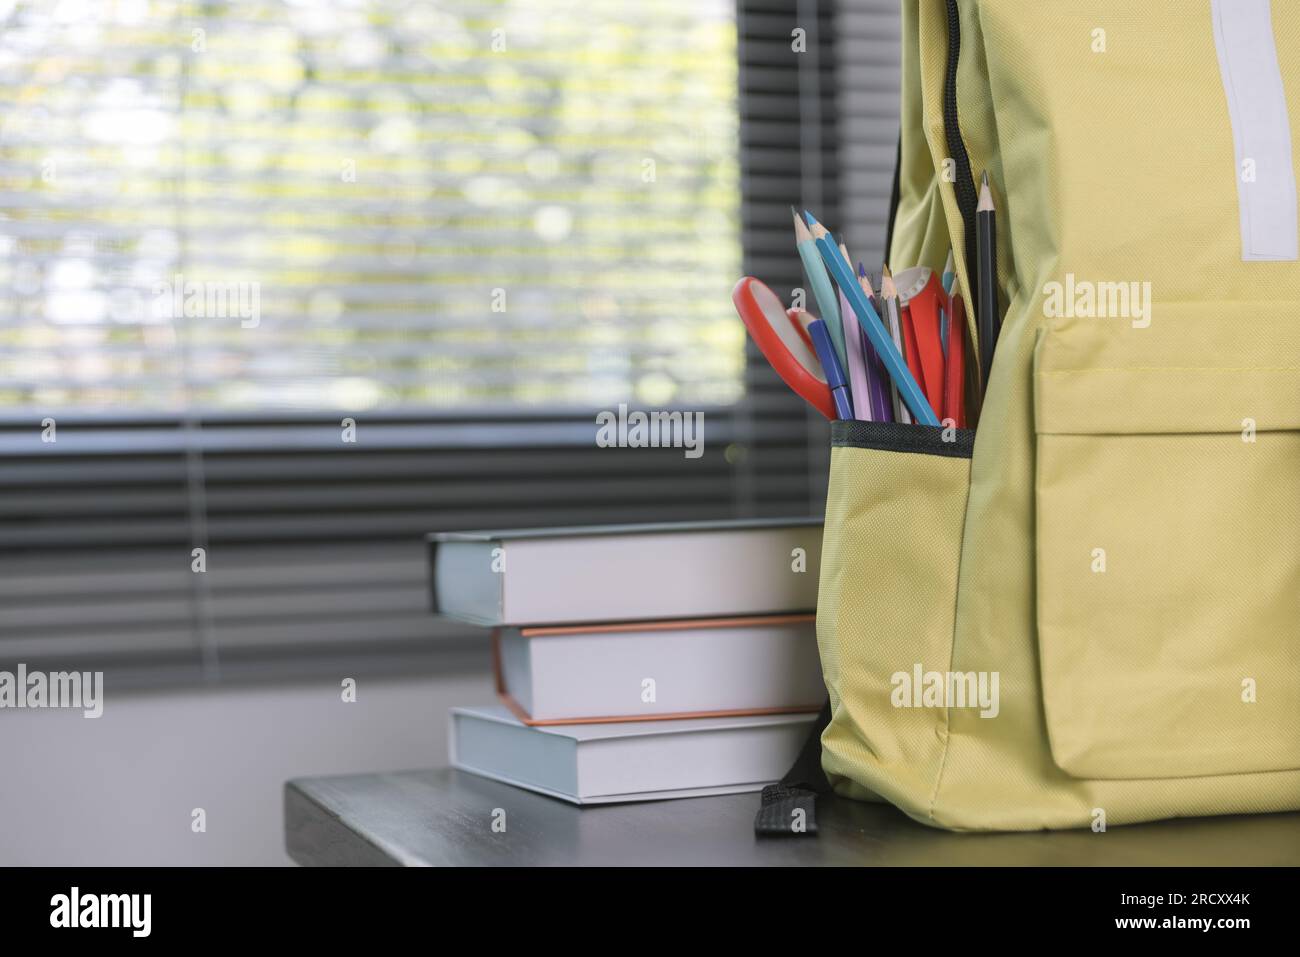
(700, 668)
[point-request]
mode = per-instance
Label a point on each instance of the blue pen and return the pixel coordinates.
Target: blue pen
(821, 338)
(907, 388)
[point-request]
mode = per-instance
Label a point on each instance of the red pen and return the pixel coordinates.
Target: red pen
(954, 380)
(912, 348)
(920, 293)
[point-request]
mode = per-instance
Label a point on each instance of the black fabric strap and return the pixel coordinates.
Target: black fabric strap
(789, 807)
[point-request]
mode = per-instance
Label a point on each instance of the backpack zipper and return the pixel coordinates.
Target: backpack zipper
(964, 187)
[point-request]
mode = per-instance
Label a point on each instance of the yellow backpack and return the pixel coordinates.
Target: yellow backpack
(1087, 610)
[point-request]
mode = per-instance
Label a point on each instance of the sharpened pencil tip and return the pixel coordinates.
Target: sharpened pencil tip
(887, 288)
(865, 282)
(801, 233)
(811, 219)
(984, 179)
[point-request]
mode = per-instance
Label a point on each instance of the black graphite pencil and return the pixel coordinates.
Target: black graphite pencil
(988, 320)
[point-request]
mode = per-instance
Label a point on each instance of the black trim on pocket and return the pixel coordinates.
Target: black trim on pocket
(896, 437)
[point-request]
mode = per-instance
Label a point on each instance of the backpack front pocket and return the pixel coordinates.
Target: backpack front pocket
(1168, 540)
(886, 604)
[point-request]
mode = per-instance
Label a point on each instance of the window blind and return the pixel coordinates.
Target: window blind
(469, 228)
(458, 205)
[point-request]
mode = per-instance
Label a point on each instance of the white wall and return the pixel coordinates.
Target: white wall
(120, 789)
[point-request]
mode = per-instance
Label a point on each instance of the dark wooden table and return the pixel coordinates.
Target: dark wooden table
(445, 817)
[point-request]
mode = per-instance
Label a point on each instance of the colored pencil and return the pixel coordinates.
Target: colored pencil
(889, 297)
(822, 290)
(859, 391)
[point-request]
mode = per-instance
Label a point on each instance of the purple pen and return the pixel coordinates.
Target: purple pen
(882, 406)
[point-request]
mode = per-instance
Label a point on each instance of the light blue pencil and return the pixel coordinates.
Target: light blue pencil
(822, 289)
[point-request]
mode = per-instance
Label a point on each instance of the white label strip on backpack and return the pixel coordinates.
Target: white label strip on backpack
(1261, 128)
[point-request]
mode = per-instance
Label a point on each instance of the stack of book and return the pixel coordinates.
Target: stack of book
(638, 662)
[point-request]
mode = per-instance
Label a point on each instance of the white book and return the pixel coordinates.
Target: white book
(627, 572)
(665, 669)
(625, 761)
